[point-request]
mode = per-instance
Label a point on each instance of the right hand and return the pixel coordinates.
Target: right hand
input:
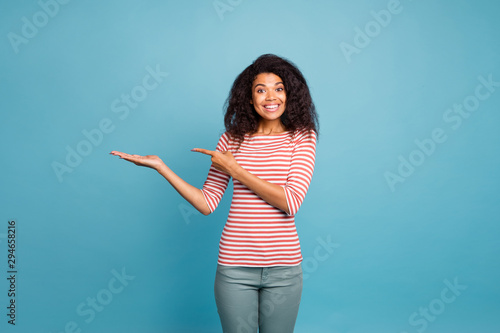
(150, 161)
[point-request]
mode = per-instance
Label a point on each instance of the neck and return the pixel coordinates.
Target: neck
(270, 127)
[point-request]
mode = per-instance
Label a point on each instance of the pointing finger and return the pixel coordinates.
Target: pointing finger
(203, 151)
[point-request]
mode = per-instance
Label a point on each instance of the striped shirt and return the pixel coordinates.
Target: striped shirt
(256, 233)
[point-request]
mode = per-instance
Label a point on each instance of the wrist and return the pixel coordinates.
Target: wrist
(161, 168)
(236, 171)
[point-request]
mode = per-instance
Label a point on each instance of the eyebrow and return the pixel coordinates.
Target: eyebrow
(260, 84)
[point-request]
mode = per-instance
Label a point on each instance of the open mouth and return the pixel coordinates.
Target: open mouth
(271, 107)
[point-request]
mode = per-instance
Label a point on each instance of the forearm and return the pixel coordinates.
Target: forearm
(271, 193)
(192, 194)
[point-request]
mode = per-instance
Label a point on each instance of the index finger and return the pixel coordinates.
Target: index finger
(203, 151)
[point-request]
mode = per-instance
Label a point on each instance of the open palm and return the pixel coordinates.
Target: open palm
(150, 161)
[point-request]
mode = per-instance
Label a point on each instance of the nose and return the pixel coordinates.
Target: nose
(270, 95)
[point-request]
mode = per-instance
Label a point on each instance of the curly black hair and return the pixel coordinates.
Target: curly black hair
(300, 113)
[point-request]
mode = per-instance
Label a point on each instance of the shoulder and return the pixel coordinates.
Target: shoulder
(228, 142)
(304, 136)
(225, 136)
(224, 141)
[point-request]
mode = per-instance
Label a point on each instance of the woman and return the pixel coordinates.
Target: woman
(268, 150)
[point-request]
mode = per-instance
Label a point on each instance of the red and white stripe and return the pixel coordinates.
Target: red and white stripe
(256, 233)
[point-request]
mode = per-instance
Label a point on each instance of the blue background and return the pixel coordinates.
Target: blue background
(395, 245)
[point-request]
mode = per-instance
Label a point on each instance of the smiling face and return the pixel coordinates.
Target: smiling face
(268, 96)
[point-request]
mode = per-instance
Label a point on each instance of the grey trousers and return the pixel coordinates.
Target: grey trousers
(266, 298)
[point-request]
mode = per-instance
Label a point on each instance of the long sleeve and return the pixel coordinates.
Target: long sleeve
(257, 234)
(217, 181)
(301, 170)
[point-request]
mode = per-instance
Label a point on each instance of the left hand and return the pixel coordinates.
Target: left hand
(221, 160)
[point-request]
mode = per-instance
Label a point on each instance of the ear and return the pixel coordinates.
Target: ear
(251, 102)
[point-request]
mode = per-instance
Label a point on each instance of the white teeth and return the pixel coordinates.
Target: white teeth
(271, 106)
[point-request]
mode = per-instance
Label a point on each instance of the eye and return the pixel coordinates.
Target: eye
(260, 90)
(280, 89)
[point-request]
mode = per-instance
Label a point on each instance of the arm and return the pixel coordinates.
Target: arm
(192, 194)
(271, 193)
(289, 197)
(301, 170)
